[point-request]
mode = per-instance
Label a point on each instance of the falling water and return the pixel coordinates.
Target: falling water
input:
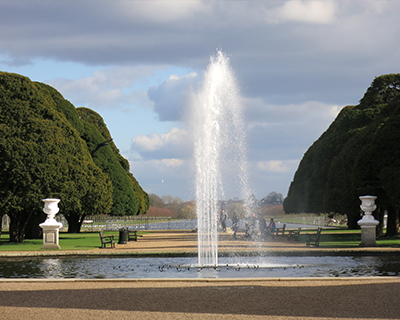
(219, 147)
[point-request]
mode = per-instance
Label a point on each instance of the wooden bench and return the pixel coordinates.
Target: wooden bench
(294, 235)
(313, 239)
(132, 235)
(280, 230)
(106, 240)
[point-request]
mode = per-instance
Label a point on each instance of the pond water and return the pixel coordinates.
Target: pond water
(185, 267)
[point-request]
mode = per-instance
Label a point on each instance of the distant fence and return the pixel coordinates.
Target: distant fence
(320, 220)
(137, 223)
(97, 223)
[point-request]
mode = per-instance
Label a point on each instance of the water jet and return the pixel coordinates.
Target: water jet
(220, 141)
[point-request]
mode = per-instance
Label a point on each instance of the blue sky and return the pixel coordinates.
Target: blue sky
(297, 62)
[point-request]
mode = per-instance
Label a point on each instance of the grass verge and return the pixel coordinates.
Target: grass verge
(67, 241)
(330, 238)
(344, 238)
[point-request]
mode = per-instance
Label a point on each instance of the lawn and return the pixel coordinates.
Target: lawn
(67, 241)
(330, 238)
(344, 238)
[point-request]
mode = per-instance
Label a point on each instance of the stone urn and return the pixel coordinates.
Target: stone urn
(368, 223)
(51, 226)
(51, 209)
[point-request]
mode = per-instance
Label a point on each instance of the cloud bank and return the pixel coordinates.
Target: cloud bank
(298, 62)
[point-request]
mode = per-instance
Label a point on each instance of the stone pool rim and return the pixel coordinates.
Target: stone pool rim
(371, 251)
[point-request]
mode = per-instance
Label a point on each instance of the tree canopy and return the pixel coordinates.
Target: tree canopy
(357, 155)
(128, 197)
(43, 155)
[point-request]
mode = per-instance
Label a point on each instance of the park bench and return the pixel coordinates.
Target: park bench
(106, 240)
(294, 234)
(132, 235)
(280, 230)
(313, 239)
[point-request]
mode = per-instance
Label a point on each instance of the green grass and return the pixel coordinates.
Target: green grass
(67, 241)
(330, 238)
(344, 238)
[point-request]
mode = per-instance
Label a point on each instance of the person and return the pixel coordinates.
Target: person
(251, 231)
(262, 224)
(223, 220)
(271, 228)
(235, 224)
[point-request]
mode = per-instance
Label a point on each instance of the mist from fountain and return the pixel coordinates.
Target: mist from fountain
(220, 151)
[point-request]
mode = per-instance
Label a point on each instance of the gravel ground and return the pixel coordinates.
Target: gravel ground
(285, 298)
(366, 298)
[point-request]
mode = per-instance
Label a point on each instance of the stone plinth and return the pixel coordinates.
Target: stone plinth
(368, 223)
(51, 226)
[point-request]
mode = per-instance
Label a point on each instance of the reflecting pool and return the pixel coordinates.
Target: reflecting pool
(186, 267)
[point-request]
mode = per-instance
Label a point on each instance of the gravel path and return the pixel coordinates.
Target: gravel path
(217, 299)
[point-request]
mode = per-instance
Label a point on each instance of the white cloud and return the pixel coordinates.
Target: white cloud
(285, 132)
(171, 96)
(377, 7)
(148, 143)
(277, 166)
(334, 111)
(172, 145)
(160, 11)
(156, 141)
(261, 113)
(173, 162)
(309, 11)
(110, 87)
(297, 62)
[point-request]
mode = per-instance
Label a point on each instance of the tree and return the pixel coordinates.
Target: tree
(188, 210)
(93, 118)
(273, 198)
(356, 156)
(156, 201)
(383, 90)
(237, 209)
(41, 156)
(125, 201)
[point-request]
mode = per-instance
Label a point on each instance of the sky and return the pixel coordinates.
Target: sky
(297, 63)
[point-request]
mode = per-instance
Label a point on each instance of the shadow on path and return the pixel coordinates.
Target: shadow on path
(372, 300)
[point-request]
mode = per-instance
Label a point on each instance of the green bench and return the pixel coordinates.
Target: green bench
(294, 234)
(313, 239)
(106, 240)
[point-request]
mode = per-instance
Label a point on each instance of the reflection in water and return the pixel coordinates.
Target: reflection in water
(187, 267)
(51, 268)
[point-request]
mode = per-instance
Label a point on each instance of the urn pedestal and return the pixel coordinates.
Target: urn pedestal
(368, 223)
(51, 226)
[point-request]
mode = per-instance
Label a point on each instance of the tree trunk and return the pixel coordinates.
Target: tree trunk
(33, 230)
(1, 223)
(392, 221)
(352, 221)
(75, 222)
(378, 214)
(18, 222)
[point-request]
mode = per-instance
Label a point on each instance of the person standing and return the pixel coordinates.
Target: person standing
(223, 220)
(271, 228)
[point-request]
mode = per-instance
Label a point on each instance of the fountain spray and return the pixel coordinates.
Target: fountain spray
(220, 143)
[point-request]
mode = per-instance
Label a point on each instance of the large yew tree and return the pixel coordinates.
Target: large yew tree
(128, 196)
(42, 155)
(357, 155)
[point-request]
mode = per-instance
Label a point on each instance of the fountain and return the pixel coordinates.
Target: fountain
(219, 143)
